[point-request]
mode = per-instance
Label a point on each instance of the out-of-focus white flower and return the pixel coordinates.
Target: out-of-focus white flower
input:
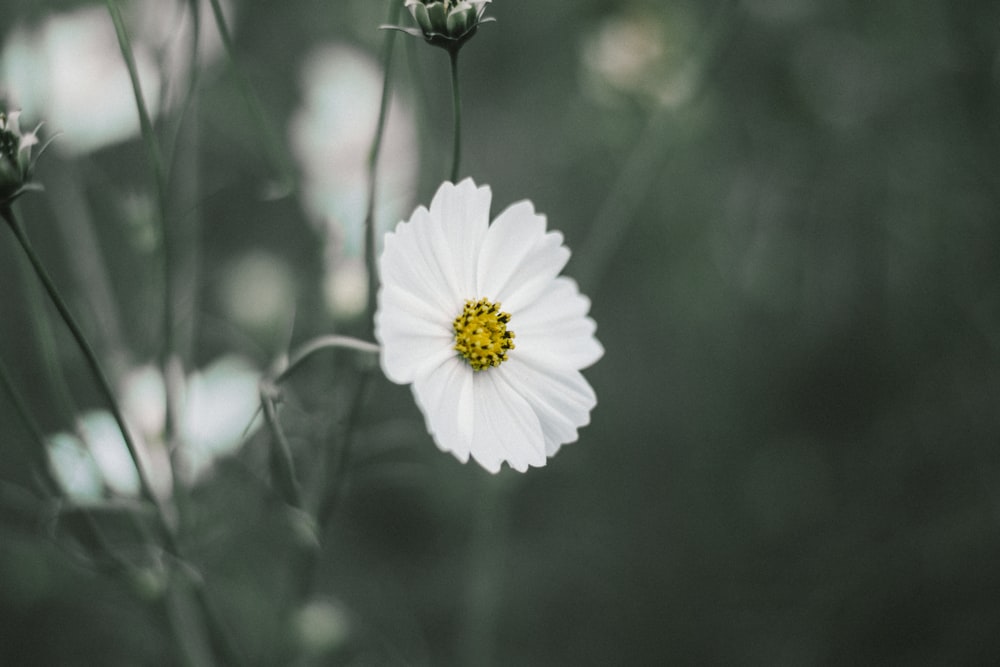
(455, 289)
(74, 467)
(69, 69)
(644, 55)
(258, 290)
(331, 135)
(94, 458)
(217, 409)
(321, 626)
(346, 286)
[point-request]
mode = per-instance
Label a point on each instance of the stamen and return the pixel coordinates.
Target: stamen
(481, 334)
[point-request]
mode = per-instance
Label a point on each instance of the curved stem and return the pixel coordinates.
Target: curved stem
(456, 99)
(323, 343)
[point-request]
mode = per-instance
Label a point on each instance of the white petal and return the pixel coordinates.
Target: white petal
(446, 397)
(408, 345)
(405, 357)
(505, 427)
(424, 317)
(410, 263)
(518, 259)
(555, 328)
(562, 399)
(463, 213)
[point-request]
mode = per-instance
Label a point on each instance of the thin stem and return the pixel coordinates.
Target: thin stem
(272, 143)
(21, 408)
(335, 488)
(456, 99)
(323, 343)
(47, 345)
(90, 533)
(88, 352)
(218, 635)
(282, 464)
(333, 492)
(371, 240)
(145, 124)
(156, 165)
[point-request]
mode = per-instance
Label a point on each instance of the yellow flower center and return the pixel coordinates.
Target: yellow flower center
(481, 334)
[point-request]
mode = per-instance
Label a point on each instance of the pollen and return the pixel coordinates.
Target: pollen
(481, 334)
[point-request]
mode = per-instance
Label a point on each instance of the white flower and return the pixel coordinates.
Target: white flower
(476, 317)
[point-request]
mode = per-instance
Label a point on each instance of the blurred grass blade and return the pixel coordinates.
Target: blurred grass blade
(273, 146)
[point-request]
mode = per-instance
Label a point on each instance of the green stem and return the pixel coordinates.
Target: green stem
(371, 239)
(218, 634)
(88, 352)
(145, 123)
(47, 346)
(282, 464)
(21, 408)
(323, 343)
(273, 145)
(456, 99)
(156, 165)
(335, 487)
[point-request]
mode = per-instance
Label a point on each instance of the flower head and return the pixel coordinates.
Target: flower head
(15, 157)
(476, 317)
(447, 23)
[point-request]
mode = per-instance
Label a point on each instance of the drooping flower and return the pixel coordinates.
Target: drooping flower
(446, 23)
(15, 157)
(476, 317)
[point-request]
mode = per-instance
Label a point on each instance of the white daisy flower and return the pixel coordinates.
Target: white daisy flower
(476, 317)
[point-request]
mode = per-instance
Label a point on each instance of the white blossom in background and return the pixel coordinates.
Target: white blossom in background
(644, 55)
(331, 134)
(69, 68)
(257, 291)
(476, 318)
(93, 459)
(218, 409)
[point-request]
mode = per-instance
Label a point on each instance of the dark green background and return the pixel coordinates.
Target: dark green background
(795, 456)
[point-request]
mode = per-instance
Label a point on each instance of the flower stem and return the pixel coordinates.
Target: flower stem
(88, 352)
(323, 343)
(156, 164)
(371, 240)
(456, 99)
(271, 141)
(42, 460)
(218, 635)
(282, 464)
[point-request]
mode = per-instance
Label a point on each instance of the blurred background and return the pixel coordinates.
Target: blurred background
(785, 213)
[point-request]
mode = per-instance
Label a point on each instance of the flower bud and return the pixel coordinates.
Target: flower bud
(15, 158)
(447, 23)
